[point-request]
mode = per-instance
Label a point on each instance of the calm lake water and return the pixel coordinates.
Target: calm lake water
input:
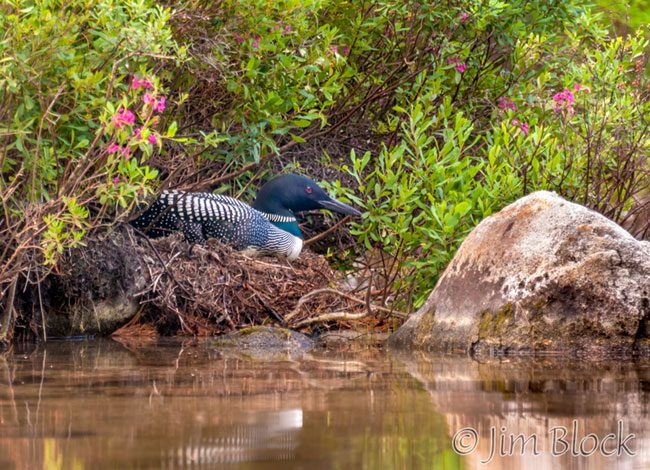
(102, 404)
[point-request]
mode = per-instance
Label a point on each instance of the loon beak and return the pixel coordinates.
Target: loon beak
(338, 206)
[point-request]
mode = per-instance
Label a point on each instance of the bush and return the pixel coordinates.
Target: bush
(69, 110)
(563, 111)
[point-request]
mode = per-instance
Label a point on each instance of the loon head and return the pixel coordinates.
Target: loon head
(287, 194)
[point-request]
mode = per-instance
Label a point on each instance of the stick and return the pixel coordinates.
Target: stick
(331, 316)
(311, 294)
(8, 315)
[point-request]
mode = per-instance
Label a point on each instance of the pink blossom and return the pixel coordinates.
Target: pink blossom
(335, 49)
(138, 133)
(126, 152)
(122, 117)
(239, 38)
(460, 67)
(523, 126)
(345, 50)
(464, 17)
(256, 43)
(506, 103)
(113, 148)
(141, 83)
(161, 104)
(116, 180)
(287, 29)
(149, 99)
(564, 102)
(152, 139)
(452, 60)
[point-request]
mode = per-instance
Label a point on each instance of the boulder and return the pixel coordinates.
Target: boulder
(542, 275)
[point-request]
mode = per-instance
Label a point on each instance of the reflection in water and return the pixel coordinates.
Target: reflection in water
(264, 435)
(541, 400)
(97, 404)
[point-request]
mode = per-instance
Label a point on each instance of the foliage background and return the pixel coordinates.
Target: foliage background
(427, 116)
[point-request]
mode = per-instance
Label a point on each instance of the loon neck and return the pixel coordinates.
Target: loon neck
(287, 222)
(290, 226)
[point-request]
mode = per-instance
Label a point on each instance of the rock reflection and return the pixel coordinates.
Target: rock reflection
(530, 397)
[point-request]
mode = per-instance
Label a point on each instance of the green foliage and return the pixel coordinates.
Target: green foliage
(632, 13)
(553, 105)
(65, 71)
(422, 197)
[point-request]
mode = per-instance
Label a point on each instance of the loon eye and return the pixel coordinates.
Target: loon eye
(308, 189)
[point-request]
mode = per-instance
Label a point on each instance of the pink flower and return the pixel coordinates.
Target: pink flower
(126, 152)
(141, 83)
(335, 49)
(122, 117)
(116, 180)
(149, 99)
(345, 50)
(113, 148)
(239, 38)
(523, 126)
(287, 29)
(506, 103)
(152, 139)
(564, 102)
(160, 105)
(452, 60)
(460, 67)
(464, 17)
(256, 43)
(138, 133)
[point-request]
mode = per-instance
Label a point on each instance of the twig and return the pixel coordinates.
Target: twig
(329, 317)
(162, 262)
(324, 234)
(313, 293)
(8, 315)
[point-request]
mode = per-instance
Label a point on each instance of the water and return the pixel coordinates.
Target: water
(101, 404)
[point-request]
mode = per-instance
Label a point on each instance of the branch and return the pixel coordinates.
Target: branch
(313, 293)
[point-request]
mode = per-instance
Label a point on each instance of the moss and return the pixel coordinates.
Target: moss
(494, 324)
(251, 329)
(424, 328)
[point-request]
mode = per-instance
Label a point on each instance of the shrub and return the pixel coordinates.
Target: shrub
(70, 162)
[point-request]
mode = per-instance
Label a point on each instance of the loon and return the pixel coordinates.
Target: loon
(268, 227)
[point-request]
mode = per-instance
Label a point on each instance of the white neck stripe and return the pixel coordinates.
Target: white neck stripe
(278, 218)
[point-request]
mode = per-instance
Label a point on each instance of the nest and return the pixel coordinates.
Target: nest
(212, 289)
(168, 287)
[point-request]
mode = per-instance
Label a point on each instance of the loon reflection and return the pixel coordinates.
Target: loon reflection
(270, 436)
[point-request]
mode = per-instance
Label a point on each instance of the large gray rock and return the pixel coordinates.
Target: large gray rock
(544, 274)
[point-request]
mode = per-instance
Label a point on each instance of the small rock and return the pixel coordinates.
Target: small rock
(265, 343)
